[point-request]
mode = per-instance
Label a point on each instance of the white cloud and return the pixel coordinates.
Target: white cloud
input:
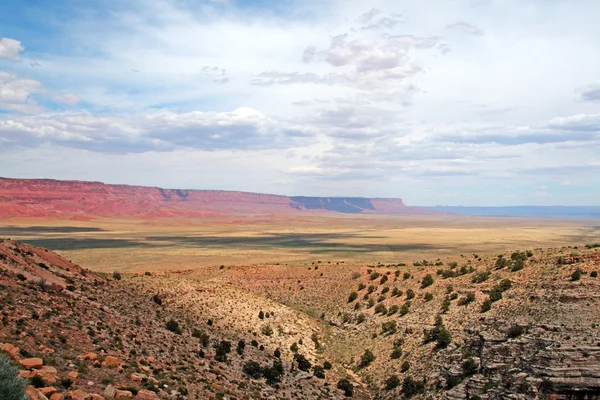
(372, 99)
(465, 28)
(10, 49)
(16, 93)
(67, 98)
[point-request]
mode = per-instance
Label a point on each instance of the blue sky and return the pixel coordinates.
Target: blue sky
(462, 102)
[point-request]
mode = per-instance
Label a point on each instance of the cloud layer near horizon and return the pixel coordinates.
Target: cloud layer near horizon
(460, 103)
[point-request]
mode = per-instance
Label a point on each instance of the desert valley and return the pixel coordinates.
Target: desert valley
(130, 292)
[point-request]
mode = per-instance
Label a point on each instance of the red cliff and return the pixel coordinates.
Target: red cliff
(48, 197)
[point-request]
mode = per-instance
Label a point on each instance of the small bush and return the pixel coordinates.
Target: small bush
(156, 298)
(428, 296)
(11, 386)
(486, 306)
(405, 308)
(406, 275)
(515, 331)
(380, 309)
(480, 276)
(410, 294)
(327, 365)
(345, 386)
(594, 274)
(266, 330)
(173, 326)
(396, 354)
(261, 315)
(427, 281)
(405, 366)
(469, 367)
(319, 372)
(273, 373)
(116, 275)
(366, 359)
(468, 299)
(411, 387)
(302, 362)
(253, 369)
(392, 382)
(353, 296)
(576, 275)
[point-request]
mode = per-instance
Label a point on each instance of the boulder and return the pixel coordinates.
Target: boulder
(35, 394)
(72, 375)
(79, 395)
(111, 361)
(57, 396)
(32, 363)
(146, 395)
(88, 357)
(48, 391)
(48, 374)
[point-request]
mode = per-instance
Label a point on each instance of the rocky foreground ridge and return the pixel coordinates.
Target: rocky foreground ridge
(79, 199)
(77, 335)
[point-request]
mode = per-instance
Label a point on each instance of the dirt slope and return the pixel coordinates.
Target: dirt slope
(82, 336)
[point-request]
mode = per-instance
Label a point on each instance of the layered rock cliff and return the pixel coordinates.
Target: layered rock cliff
(47, 197)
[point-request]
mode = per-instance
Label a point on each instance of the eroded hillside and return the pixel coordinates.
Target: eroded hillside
(83, 336)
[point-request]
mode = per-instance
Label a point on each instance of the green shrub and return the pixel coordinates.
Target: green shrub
(302, 362)
(411, 387)
(345, 386)
(319, 372)
(389, 327)
(405, 308)
(253, 369)
(576, 275)
(405, 366)
(273, 373)
(221, 350)
(11, 386)
(428, 296)
(392, 382)
(116, 275)
(393, 309)
(380, 309)
(410, 294)
(469, 367)
(427, 281)
(396, 354)
(486, 306)
(406, 275)
(438, 334)
(327, 365)
(468, 299)
(173, 326)
(480, 276)
(594, 274)
(366, 359)
(353, 296)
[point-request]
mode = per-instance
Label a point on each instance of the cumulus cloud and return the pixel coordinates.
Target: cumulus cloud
(591, 93)
(161, 130)
(464, 27)
(16, 94)
(10, 49)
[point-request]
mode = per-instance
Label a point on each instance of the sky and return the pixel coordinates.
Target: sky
(456, 102)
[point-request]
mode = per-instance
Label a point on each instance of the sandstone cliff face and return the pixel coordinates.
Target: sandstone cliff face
(46, 197)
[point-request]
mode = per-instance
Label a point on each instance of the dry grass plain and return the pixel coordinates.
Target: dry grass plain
(152, 245)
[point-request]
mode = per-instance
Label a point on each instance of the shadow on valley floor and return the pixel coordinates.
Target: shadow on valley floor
(87, 243)
(36, 230)
(316, 242)
(313, 242)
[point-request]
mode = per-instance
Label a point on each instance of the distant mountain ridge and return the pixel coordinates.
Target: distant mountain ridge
(522, 211)
(81, 199)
